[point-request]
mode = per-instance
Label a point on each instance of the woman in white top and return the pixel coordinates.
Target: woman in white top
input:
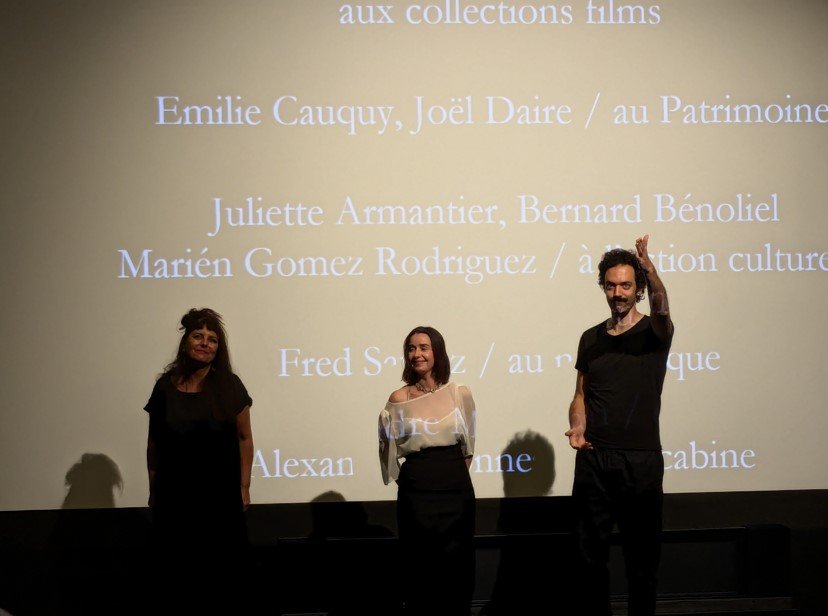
(430, 424)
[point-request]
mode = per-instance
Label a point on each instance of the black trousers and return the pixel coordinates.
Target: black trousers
(436, 519)
(624, 487)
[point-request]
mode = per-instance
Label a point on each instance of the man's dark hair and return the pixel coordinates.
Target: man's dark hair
(621, 256)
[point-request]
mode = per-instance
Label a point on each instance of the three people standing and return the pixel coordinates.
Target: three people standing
(199, 449)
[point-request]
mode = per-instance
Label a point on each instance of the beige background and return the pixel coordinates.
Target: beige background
(87, 173)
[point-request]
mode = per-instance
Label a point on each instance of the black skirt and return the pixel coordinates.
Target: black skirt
(436, 520)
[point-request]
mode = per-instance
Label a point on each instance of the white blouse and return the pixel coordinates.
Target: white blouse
(442, 418)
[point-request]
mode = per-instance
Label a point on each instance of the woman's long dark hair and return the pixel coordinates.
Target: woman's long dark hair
(218, 384)
(442, 366)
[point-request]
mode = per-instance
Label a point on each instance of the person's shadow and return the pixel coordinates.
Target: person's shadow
(91, 483)
(97, 552)
(352, 550)
(531, 571)
(538, 466)
(333, 517)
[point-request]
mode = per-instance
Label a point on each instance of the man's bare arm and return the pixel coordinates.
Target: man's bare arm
(577, 416)
(656, 292)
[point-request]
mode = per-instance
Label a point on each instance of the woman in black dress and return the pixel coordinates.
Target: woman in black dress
(199, 458)
(430, 423)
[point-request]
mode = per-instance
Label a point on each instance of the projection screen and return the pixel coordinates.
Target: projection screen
(328, 175)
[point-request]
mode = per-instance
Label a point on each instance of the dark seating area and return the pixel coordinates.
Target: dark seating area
(340, 558)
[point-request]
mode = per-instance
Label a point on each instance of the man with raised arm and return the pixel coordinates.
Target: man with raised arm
(613, 423)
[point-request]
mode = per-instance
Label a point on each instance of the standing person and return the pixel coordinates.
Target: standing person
(614, 427)
(199, 459)
(430, 423)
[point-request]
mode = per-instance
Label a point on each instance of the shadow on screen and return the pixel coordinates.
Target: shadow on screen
(533, 465)
(334, 517)
(91, 483)
(349, 553)
(96, 552)
(529, 577)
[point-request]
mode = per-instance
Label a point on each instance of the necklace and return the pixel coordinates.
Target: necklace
(422, 388)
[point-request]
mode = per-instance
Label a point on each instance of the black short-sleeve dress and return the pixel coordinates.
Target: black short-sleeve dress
(197, 492)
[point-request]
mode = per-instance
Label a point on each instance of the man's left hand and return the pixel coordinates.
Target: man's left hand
(643, 255)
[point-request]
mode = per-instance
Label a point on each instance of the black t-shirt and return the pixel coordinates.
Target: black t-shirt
(624, 378)
(198, 455)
